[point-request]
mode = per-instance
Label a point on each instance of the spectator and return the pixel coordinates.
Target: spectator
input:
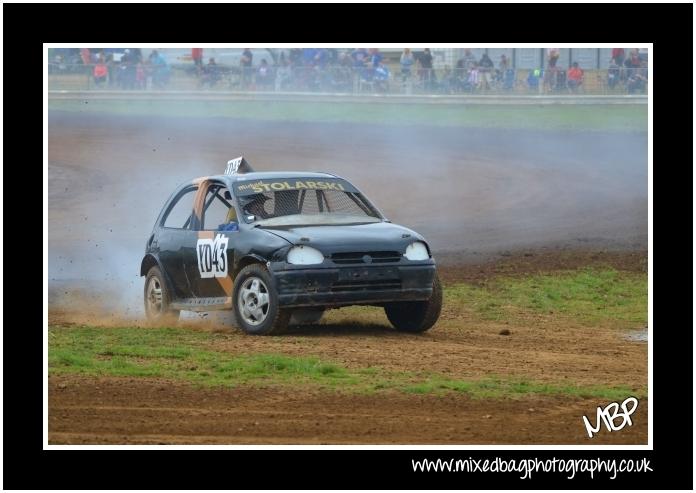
(618, 55)
(553, 54)
(448, 81)
(613, 74)
(638, 80)
(633, 60)
(283, 74)
(210, 74)
(140, 75)
(295, 57)
(100, 72)
(427, 74)
(632, 63)
(473, 81)
(533, 79)
(343, 73)
(127, 70)
(246, 64)
(467, 61)
(360, 57)
(264, 76)
(551, 74)
(304, 72)
(461, 71)
(486, 70)
(160, 70)
(407, 62)
(112, 69)
(381, 77)
(374, 57)
(504, 64)
(197, 57)
(360, 61)
(85, 55)
(574, 77)
(308, 55)
(137, 55)
(321, 58)
(509, 79)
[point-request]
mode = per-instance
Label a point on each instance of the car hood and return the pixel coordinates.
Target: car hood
(328, 239)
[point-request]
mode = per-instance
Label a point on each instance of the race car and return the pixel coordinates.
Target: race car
(280, 248)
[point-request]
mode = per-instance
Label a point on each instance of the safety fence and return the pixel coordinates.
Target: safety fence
(348, 79)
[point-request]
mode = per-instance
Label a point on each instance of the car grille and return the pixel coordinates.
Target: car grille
(365, 257)
(345, 286)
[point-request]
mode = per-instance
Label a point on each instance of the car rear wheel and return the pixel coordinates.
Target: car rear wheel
(416, 316)
(256, 305)
(158, 299)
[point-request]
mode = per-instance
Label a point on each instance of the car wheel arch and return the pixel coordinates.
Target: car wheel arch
(248, 260)
(149, 261)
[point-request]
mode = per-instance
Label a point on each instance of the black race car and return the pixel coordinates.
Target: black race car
(280, 248)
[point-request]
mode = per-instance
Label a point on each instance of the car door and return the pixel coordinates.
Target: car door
(176, 241)
(210, 274)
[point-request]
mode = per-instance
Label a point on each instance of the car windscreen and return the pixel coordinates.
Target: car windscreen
(297, 201)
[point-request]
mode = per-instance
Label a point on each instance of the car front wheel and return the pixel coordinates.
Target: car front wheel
(256, 305)
(416, 316)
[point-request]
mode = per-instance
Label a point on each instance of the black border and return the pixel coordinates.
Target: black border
(669, 27)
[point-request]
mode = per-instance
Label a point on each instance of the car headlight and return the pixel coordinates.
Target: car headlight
(304, 255)
(417, 251)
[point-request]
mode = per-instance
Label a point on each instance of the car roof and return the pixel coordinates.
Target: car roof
(268, 175)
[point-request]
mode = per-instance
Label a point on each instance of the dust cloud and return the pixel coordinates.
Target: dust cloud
(469, 191)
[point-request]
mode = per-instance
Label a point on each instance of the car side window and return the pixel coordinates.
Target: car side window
(179, 214)
(218, 208)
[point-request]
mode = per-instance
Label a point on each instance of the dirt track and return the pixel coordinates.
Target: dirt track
(151, 412)
(474, 192)
(546, 194)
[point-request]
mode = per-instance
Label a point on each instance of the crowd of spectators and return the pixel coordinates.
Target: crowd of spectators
(366, 70)
(631, 70)
(128, 70)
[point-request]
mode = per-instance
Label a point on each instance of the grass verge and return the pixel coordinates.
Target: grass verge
(589, 296)
(629, 118)
(182, 354)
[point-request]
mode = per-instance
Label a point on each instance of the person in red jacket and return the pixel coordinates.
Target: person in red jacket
(197, 56)
(100, 71)
(574, 77)
(618, 54)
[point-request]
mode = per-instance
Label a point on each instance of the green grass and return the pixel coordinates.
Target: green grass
(569, 117)
(588, 296)
(185, 355)
(174, 353)
(510, 388)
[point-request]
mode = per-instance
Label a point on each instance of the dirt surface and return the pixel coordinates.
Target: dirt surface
(490, 202)
(470, 191)
(539, 348)
(128, 411)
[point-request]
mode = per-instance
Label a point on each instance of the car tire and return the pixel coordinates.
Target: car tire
(416, 316)
(158, 299)
(255, 301)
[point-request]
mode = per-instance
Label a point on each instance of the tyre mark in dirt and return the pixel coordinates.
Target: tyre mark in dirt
(85, 410)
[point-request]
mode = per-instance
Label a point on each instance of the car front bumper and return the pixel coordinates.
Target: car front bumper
(352, 285)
